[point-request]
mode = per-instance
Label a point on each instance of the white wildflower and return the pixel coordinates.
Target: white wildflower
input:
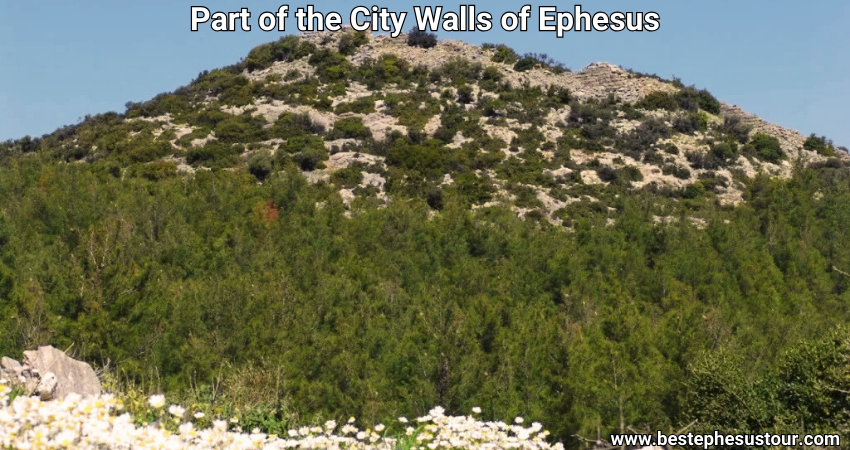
(156, 401)
(176, 410)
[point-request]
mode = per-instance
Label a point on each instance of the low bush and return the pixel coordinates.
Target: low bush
(658, 100)
(820, 145)
(350, 128)
(260, 164)
(421, 38)
(350, 41)
(736, 128)
(765, 147)
(503, 54)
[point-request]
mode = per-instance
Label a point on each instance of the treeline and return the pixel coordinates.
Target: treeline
(217, 282)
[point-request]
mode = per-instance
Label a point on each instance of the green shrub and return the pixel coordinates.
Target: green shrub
(299, 143)
(330, 65)
(289, 48)
(736, 128)
(658, 100)
(155, 171)
(504, 54)
(363, 105)
(724, 150)
(525, 64)
(348, 177)
(242, 128)
(687, 124)
(460, 71)
(311, 158)
(464, 94)
(677, 171)
(260, 164)
(421, 38)
(350, 128)
(766, 147)
(820, 145)
(350, 41)
(290, 125)
(387, 69)
(691, 99)
(214, 154)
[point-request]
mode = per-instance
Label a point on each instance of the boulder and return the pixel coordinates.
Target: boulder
(60, 374)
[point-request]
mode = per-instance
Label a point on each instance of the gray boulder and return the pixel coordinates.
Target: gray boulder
(59, 375)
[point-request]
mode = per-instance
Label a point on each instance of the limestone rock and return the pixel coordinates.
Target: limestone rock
(46, 388)
(71, 376)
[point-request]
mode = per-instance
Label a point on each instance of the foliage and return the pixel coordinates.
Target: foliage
(765, 147)
(421, 38)
(658, 100)
(503, 54)
(350, 41)
(820, 145)
(350, 128)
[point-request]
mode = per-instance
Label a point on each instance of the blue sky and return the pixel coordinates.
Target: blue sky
(786, 61)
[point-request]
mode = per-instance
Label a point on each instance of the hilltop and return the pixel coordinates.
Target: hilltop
(341, 224)
(522, 130)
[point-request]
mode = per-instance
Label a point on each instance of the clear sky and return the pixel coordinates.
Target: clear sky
(787, 61)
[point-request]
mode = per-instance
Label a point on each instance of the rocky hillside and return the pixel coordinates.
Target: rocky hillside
(377, 118)
(340, 225)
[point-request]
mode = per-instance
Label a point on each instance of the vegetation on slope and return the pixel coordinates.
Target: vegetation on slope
(248, 286)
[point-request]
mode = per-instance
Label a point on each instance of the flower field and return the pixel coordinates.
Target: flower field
(101, 422)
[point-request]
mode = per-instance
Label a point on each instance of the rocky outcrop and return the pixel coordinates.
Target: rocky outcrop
(51, 374)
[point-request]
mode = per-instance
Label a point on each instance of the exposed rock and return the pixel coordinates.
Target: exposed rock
(54, 374)
(46, 388)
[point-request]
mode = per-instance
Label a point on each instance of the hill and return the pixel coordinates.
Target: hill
(341, 224)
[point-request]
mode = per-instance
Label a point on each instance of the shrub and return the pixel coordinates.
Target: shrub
(820, 145)
(687, 124)
(386, 69)
(677, 171)
(309, 159)
(690, 99)
(363, 105)
(736, 128)
(671, 149)
(260, 164)
(645, 136)
(464, 94)
(503, 54)
(658, 100)
(242, 128)
(330, 65)
(525, 63)
(349, 42)
(461, 70)
(350, 128)
(155, 171)
(300, 143)
(214, 154)
(434, 198)
(348, 177)
(766, 147)
(421, 38)
(289, 125)
(724, 150)
(607, 174)
(288, 48)
(700, 160)
(629, 173)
